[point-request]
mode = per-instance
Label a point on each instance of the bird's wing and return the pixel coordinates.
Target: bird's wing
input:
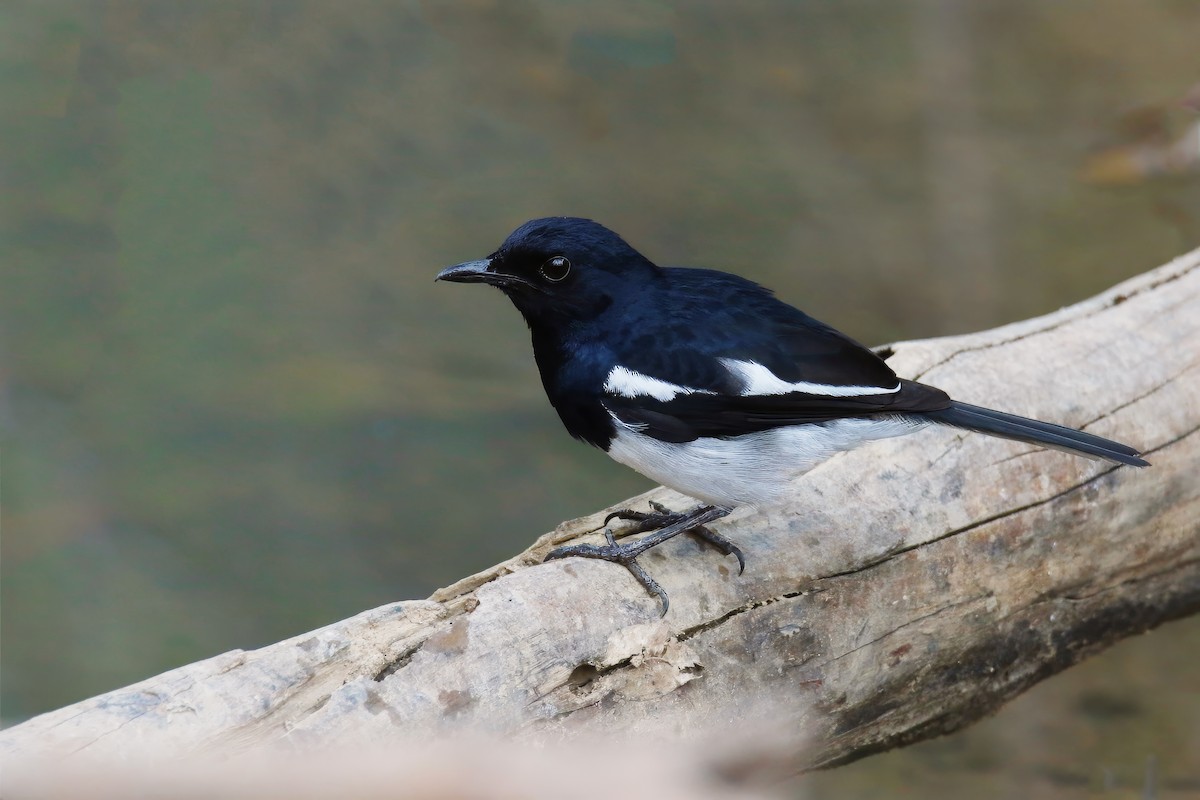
(707, 316)
(750, 365)
(689, 416)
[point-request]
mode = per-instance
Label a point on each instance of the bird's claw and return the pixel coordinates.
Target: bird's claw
(625, 555)
(644, 521)
(665, 524)
(723, 545)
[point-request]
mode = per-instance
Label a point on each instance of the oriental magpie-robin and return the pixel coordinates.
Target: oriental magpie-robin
(705, 382)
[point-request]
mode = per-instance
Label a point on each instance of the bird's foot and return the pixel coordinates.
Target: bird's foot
(668, 524)
(623, 554)
(663, 516)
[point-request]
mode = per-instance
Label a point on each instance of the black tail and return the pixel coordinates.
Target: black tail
(1010, 426)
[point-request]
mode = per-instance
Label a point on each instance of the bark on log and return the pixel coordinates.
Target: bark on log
(905, 590)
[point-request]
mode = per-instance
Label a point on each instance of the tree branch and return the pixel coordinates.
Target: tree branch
(906, 589)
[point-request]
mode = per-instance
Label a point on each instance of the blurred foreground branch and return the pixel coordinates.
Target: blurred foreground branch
(908, 588)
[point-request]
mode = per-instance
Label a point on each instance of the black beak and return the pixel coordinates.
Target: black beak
(470, 272)
(482, 272)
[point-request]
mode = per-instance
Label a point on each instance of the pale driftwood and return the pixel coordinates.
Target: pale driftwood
(907, 588)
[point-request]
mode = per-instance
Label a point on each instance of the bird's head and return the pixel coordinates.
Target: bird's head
(560, 270)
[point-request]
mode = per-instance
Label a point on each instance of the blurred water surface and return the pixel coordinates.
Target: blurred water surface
(236, 407)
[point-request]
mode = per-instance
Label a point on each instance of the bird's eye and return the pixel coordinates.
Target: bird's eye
(555, 269)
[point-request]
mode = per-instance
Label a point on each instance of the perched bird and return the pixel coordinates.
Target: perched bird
(706, 382)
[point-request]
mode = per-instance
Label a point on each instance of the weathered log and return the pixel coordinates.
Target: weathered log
(906, 589)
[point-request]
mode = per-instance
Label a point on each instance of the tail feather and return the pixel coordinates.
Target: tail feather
(1032, 431)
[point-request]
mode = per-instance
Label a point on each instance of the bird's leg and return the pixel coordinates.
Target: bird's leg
(625, 554)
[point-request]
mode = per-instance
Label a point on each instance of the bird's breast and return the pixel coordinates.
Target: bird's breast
(573, 379)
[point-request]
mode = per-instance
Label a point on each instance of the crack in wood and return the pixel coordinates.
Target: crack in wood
(695, 630)
(400, 661)
(1148, 393)
(898, 628)
(1176, 566)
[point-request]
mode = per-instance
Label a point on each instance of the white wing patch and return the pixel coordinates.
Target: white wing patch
(758, 380)
(627, 383)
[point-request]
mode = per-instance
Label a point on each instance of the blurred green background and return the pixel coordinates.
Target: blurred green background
(235, 406)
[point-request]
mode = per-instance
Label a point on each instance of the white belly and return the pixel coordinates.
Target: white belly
(752, 469)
